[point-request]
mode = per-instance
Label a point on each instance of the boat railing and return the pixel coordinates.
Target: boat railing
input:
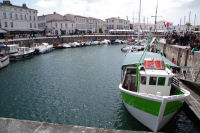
(175, 81)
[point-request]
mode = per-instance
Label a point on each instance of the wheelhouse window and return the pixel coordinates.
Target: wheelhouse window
(169, 81)
(152, 80)
(161, 81)
(143, 80)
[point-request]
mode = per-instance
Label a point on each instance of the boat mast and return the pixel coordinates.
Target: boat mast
(155, 28)
(139, 22)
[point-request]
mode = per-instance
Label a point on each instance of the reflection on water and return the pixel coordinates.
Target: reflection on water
(75, 87)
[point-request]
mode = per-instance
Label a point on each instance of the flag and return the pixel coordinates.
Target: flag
(167, 24)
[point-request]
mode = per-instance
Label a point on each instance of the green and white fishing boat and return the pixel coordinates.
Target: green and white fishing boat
(149, 89)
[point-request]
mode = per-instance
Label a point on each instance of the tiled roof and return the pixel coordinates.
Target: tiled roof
(76, 15)
(60, 21)
(16, 6)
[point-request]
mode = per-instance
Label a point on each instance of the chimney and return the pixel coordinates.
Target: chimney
(6, 2)
(24, 5)
(54, 12)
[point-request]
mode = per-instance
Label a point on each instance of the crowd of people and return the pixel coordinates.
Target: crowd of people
(184, 39)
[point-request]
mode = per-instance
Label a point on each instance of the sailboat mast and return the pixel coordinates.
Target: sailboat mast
(155, 28)
(139, 21)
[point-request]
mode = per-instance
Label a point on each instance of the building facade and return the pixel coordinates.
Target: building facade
(95, 25)
(81, 22)
(117, 24)
(60, 27)
(42, 20)
(18, 19)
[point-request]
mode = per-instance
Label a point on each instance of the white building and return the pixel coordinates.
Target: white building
(60, 27)
(42, 20)
(18, 19)
(55, 24)
(81, 22)
(117, 24)
(95, 25)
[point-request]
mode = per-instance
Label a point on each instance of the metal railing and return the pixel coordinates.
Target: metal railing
(190, 73)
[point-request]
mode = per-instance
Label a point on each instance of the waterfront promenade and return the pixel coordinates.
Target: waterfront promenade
(8, 125)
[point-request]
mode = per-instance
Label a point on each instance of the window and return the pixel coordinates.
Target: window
(11, 24)
(56, 25)
(16, 16)
(10, 15)
(169, 81)
(6, 24)
(35, 25)
(25, 17)
(30, 17)
(61, 25)
(152, 80)
(161, 81)
(4, 15)
(21, 17)
(30, 25)
(65, 25)
(34, 18)
(143, 80)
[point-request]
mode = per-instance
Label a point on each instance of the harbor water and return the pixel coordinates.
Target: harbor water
(76, 86)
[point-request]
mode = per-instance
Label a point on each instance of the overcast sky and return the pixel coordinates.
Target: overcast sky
(169, 10)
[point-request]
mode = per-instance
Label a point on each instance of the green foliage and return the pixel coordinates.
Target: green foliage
(100, 30)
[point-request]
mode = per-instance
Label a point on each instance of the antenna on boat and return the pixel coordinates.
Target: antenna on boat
(139, 21)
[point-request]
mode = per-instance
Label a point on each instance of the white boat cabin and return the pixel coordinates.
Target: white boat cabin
(10, 49)
(153, 78)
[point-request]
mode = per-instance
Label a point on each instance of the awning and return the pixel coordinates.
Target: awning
(24, 30)
(3, 31)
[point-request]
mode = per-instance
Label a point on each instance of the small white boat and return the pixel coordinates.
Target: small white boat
(4, 61)
(76, 44)
(88, 43)
(44, 48)
(93, 43)
(65, 45)
(105, 41)
(23, 53)
(117, 41)
(10, 49)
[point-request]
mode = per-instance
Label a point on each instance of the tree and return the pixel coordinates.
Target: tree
(188, 24)
(100, 30)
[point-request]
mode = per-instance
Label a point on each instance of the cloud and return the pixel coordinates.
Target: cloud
(170, 10)
(46, 3)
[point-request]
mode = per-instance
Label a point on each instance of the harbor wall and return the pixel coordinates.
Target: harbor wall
(182, 55)
(8, 125)
(65, 39)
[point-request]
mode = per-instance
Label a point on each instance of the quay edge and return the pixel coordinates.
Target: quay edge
(8, 125)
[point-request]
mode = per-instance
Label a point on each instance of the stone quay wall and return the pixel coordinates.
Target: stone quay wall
(65, 39)
(182, 55)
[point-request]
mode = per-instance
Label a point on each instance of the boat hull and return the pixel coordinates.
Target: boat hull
(152, 111)
(4, 62)
(17, 57)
